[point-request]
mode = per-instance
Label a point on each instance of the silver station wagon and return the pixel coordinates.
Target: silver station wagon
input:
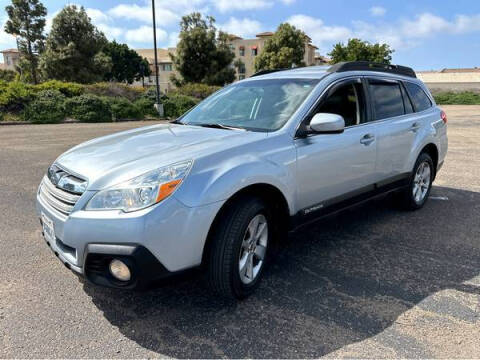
(218, 187)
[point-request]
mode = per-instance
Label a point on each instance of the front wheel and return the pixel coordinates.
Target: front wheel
(239, 248)
(420, 184)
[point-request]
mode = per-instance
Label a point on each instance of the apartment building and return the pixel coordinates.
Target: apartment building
(245, 50)
(11, 58)
(165, 67)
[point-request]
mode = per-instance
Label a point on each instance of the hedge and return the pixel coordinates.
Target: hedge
(54, 100)
(461, 98)
(115, 90)
(176, 105)
(88, 108)
(198, 91)
(122, 108)
(48, 107)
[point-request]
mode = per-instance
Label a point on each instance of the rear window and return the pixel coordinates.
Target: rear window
(387, 99)
(419, 98)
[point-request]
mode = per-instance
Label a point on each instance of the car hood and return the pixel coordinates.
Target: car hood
(118, 157)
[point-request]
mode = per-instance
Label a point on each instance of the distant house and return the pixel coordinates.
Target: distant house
(11, 58)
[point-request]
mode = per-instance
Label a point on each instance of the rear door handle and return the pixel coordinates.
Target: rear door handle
(367, 139)
(415, 127)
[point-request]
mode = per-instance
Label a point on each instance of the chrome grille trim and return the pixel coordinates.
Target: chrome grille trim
(58, 199)
(60, 194)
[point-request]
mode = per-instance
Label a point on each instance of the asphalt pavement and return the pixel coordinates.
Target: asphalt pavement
(373, 281)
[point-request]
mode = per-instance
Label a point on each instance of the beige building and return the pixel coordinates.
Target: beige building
(245, 50)
(11, 58)
(165, 67)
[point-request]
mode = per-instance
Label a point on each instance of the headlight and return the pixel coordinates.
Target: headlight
(142, 191)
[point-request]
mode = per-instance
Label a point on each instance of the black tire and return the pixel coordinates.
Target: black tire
(406, 197)
(223, 274)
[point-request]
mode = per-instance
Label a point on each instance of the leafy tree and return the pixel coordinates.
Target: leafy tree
(74, 48)
(202, 56)
(26, 20)
(285, 49)
(358, 50)
(127, 65)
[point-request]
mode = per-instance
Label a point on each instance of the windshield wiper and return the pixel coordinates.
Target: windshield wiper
(220, 126)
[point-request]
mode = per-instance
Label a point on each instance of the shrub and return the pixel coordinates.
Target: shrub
(121, 108)
(48, 107)
(88, 108)
(115, 90)
(145, 106)
(461, 98)
(15, 95)
(7, 75)
(66, 88)
(196, 90)
(176, 105)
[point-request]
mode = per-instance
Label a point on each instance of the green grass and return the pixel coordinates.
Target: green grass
(461, 98)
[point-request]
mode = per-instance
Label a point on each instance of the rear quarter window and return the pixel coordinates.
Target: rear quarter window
(420, 100)
(387, 99)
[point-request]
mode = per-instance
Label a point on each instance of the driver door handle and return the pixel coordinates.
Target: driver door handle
(367, 139)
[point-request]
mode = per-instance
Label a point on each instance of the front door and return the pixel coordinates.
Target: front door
(335, 166)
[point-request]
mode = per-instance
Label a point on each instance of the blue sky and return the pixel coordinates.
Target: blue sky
(425, 34)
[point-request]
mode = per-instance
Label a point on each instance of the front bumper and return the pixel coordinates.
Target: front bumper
(159, 241)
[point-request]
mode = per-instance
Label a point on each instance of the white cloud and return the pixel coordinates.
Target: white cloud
(241, 27)
(403, 33)
(241, 5)
(98, 16)
(288, 2)
(144, 35)
(144, 14)
(321, 34)
(378, 11)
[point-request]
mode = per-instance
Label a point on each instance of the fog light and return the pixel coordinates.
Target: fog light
(119, 270)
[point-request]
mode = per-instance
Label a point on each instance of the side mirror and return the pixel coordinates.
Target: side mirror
(326, 123)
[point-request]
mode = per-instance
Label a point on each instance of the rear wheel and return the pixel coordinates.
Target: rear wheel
(239, 248)
(420, 184)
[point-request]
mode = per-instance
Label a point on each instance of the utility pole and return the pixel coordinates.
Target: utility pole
(158, 106)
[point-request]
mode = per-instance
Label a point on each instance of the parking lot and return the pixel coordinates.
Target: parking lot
(373, 281)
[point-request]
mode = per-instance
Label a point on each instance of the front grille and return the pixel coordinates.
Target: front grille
(59, 199)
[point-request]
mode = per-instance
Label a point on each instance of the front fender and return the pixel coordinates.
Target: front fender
(218, 182)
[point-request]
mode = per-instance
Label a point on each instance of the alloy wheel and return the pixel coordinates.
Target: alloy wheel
(421, 182)
(253, 250)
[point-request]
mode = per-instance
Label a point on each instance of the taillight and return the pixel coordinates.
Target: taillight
(443, 116)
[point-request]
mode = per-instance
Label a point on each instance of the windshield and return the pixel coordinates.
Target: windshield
(260, 105)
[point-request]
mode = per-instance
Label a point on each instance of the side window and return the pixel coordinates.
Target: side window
(406, 101)
(347, 100)
(387, 99)
(419, 98)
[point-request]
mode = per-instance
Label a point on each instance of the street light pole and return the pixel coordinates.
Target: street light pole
(157, 105)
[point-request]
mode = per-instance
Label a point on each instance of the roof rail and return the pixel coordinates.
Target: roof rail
(264, 72)
(372, 66)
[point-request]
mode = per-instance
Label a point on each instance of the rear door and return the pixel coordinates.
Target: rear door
(397, 126)
(331, 167)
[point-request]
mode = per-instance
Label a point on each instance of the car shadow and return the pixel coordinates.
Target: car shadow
(341, 280)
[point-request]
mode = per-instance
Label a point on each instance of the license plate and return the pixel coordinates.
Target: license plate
(48, 229)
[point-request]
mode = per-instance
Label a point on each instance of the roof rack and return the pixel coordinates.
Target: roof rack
(264, 72)
(372, 66)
